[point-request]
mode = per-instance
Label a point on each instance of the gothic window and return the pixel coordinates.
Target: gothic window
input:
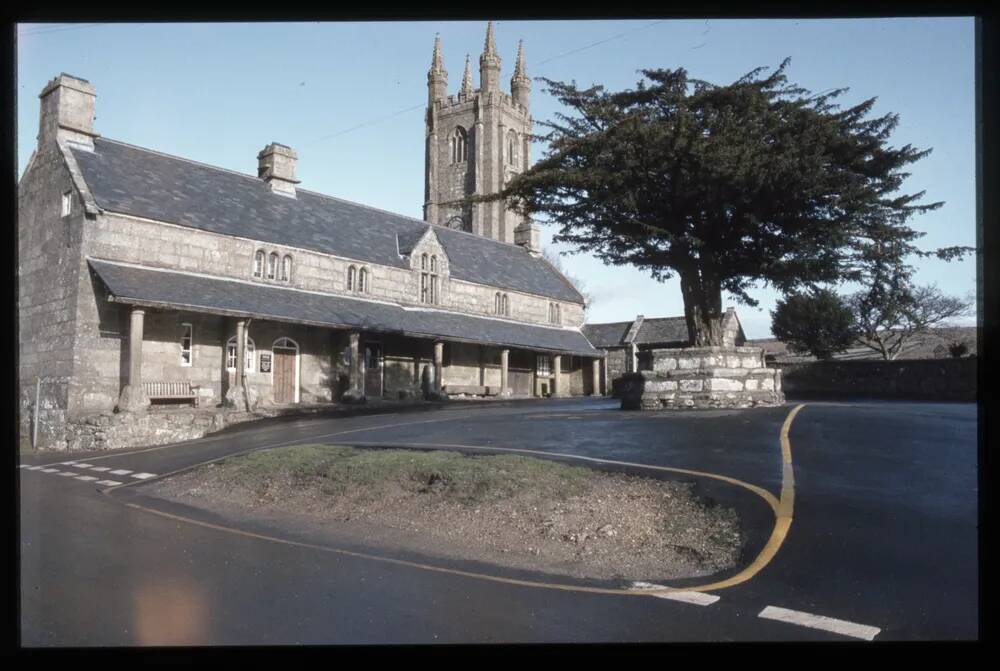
(286, 268)
(363, 281)
(512, 147)
(186, 344)
(258, 263)
(505, 305)
(459, 145)
(352, 277)
(272, 265)
(496, 303)
(231, 355)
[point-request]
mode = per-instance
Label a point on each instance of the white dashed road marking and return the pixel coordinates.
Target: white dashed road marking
(67, 474)
(23, 466)
(82, 466)
(89, 478)
(143, 476)
(85, 478)
(101, 468)
(66, 463)
(696, 598)
(843, 627)
(110, 483)
(35, 468)
(120, 471)
(50, 470)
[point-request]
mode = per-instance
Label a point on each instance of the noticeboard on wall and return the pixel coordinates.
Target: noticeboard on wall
(265, 362)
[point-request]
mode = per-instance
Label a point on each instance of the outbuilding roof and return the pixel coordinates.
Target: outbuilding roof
(652, 331)
(140, 182)
(139, 285)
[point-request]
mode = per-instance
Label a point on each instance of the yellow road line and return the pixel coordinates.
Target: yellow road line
(782, 508)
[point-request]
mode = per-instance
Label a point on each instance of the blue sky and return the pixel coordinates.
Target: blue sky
(349, 97)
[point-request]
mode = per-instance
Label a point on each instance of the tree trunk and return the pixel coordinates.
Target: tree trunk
(702, 308)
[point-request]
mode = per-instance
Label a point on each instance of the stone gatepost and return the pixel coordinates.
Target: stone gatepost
(703, 377)
(556, 376)
(133, 397)
(596, 377)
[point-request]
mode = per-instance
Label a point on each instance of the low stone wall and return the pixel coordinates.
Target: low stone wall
(927, 379)
(111, 431)
(702, 377)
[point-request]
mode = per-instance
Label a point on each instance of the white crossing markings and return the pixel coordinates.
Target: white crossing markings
(35, 468)
(67, 474)
(696, 598)
(101, 468)
(50, 470)
(120, 471)
(82, 466)
(66, 463)
(843, 627)
(111, 483)
(85, 478)
(143, 476)
(88, 478)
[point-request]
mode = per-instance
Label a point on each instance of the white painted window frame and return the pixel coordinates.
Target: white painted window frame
(249, 355)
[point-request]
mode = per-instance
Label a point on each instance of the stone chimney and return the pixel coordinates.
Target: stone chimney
(67, 112)
(529, 236)
(276, 166)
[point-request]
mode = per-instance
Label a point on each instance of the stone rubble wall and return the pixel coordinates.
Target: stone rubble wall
(926, 379)
(703, 377)
(109, 431)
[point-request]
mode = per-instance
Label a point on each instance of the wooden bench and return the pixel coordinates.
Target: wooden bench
(470, 389)
(171, 391)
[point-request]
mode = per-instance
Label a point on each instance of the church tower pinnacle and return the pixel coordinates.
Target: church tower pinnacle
(489, 63)
(520, 84)
(466, 90)
(437, 76)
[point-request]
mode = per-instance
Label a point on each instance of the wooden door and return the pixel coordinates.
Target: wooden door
(284, 375)
(373, 369)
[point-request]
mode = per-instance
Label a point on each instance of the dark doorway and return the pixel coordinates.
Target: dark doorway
(373, 369)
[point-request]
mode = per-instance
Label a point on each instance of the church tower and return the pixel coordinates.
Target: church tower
(477, 139)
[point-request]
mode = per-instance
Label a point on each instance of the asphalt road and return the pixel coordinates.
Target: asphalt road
(883, 536)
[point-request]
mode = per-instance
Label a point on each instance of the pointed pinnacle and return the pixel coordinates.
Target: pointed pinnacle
(467, 77)
(491, 48)
(519, 70)
(436, 64)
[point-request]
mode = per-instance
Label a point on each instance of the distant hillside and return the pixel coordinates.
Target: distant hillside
(931, 345)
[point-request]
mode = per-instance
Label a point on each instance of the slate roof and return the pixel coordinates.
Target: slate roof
(132, 180)
(199, 293)
(653, 331)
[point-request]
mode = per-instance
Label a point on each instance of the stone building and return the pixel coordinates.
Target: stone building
(147, 278)
(628, 345)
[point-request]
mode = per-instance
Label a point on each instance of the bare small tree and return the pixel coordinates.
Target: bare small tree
(889, 315)
(556, 261)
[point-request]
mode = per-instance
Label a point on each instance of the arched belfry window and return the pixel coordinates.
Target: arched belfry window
(512, 152)
(505, 305)
(272, 265)
(286, 268)
(459, 145)
(363, 281)
(258, 263)
(352, 278)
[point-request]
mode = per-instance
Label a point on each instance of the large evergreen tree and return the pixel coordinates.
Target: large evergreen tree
(729, 187)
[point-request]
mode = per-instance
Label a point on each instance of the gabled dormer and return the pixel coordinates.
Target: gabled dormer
(429, 263)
